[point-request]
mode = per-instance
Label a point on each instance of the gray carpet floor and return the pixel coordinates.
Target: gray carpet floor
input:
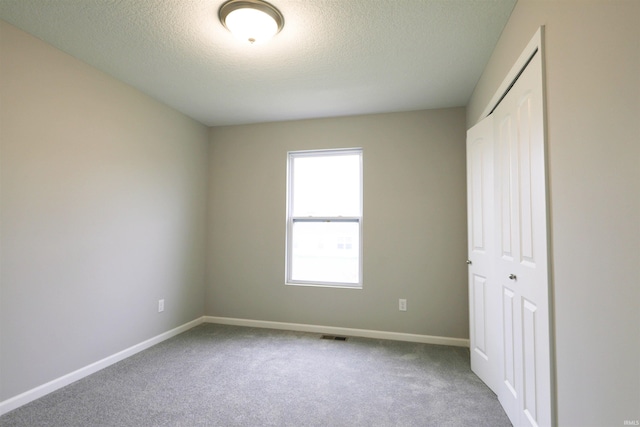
(218, 375)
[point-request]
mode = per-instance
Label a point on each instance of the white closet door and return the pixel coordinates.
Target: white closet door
(522, 264)
(484, 293)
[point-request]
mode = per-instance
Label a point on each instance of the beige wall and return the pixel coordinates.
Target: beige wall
(414, 223)
(593, 99)
(103, 211)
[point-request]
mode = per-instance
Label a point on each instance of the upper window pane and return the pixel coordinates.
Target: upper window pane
(326, 185)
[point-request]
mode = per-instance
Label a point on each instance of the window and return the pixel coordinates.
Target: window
(324, 218)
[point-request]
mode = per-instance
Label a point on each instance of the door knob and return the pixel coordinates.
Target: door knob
(469, 262)
(513, 277)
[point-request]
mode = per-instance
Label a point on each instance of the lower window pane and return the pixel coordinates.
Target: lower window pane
(326, 252)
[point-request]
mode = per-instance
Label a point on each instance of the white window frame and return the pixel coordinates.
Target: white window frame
(292, 219)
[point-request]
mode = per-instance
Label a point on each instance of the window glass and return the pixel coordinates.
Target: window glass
(326, 185)
(320, 252)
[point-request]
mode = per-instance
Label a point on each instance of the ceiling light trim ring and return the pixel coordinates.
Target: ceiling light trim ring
(260, 5)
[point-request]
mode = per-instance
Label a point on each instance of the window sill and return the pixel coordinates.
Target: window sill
(325, 285)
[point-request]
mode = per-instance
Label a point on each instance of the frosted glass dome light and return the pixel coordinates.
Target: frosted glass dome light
(254, 21)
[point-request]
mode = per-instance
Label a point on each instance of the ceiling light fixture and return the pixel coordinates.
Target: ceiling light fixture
(254, 21)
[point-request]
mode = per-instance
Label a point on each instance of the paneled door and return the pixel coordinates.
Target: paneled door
(522, 262)
(485, 334)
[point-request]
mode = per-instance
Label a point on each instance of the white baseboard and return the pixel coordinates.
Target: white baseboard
(35, 393)
(364, 333)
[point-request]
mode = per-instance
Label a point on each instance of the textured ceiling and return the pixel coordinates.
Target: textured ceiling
(333, 57)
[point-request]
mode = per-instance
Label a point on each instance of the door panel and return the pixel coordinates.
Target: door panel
(479, 305)
(509, 344)
(525, 178)
(529, 322)
(484, 294)
(478, 229)
(521, 269)
(505, 141)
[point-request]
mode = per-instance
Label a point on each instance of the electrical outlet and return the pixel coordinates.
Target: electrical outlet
(402, 304)
(160, 305)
